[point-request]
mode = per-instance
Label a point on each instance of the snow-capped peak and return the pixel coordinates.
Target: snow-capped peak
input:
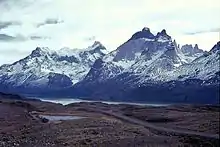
(67, 51)
(39, 51)
(163, 36)
(97, 43)
(95, 47)
(43, 49)
(162, 33)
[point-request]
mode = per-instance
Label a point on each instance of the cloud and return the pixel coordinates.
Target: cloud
(203, 31)
(8, 38)
(3, 1)
(12, 4)
(4, 37)
(20, 38)
(73, 23)
(6, 24)
(10, 55)
(50, 21)
(38, 37)
(92, 38)
(13, 51)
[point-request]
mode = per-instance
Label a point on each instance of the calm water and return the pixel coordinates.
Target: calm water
(58, 118)
(68, 101)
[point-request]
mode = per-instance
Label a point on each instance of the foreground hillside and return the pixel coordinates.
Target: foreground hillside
(24, 124)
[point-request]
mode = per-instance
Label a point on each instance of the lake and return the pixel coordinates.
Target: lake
(60, 117)
(66, 101)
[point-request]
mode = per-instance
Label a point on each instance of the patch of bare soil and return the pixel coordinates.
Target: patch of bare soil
(195, 118)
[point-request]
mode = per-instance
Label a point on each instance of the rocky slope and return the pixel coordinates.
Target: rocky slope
(190, 53)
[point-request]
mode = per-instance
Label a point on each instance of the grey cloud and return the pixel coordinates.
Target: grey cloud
(4, 37)
(4, 1)
(10, 4)
(92, 38)
(49, 22)
(17, 38)
(8, 38)
(8, 23)
(203, 31)
(38, 37)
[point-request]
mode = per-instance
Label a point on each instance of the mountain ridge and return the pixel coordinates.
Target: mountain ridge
(145, 65)
(157, 68)
(44, 66)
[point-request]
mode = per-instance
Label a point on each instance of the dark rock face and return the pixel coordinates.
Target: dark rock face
(59, 81)
(135, 45)
(163, 33)
(36, 52)
(145, 33)
(70, 59)
(172, 55)
(216, 48)
(189, 50)
(98, 46)
(96, 72)
(143, 44)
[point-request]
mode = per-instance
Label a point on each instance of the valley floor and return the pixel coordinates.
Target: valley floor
(106, 125)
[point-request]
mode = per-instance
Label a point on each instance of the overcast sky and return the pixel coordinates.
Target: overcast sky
(25, 24)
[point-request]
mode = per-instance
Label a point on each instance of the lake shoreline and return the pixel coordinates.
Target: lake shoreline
(69, 101)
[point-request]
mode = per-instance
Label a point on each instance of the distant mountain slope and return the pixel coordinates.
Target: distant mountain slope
(144, 55)
(10, 96)
(45, 68)
(155, 66)
(146, 67)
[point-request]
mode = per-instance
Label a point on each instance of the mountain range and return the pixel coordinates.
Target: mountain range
(46, 69)
(147, 67)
